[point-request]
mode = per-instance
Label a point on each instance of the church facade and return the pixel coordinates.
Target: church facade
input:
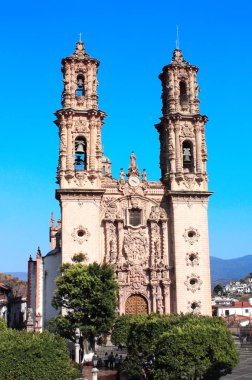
(155, 234)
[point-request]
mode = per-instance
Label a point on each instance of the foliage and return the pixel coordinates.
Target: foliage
(30, 356)
(78, 258)
(88, 295)
(3, 324)
(218, 289)
(184, 346)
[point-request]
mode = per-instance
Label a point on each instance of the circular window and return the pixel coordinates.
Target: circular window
(81, 233)
(194, 306)
(191, 234)
(193, 281)
(192, 257)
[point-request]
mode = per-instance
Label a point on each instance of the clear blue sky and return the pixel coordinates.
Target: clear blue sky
(133, 40)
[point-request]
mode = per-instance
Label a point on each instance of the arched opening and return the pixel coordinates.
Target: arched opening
(183, 94)
(135, 305)
(80, 85)
(80, 156)
(188, 162)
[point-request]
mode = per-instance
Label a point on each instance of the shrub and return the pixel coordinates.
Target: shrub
(31, 356)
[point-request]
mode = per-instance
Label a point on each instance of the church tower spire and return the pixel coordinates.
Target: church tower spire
(182, 128)
(80, 122)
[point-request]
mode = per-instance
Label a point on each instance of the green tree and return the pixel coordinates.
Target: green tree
(31, 356)
(218, 289)
(88, 296)
(184, 346)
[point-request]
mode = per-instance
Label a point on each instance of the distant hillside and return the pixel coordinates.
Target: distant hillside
(224, 271)
(21, 275)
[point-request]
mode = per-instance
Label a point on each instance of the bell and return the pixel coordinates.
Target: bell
(79, 148)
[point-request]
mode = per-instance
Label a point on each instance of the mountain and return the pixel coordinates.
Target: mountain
(224, 271)
(20, 275)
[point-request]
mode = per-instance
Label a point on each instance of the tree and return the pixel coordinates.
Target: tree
(34, 356)
(88, 296)
(218, 289)
(184, 346)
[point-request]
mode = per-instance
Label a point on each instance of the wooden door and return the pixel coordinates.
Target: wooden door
(136, 305)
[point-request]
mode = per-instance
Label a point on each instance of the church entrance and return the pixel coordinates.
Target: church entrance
(135, 305)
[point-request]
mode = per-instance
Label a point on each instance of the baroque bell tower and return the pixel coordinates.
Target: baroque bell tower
(182, 128)
(183, 159)
(82, 164)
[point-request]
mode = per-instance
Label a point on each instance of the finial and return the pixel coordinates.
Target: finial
(80, 34)
(177, 39)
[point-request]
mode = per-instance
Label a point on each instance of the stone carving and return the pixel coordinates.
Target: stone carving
(193, 283)
(194, 306)
(155, 232)
(133, 161)
(80, 125)
(122, 175)
(80, 179)
(135, 246)
(157, 213)
(192, 259)
(80, 234)
(136, 277)
(191, 235)
(189, 181)
(187, 131)
(111, 211)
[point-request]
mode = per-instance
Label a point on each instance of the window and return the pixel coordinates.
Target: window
(80, 154)
(183, 94)
(226, 312)
(187, 151)
(135, 217)
(80, 85)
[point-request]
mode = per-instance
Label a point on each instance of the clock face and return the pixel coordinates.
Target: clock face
(134, 181)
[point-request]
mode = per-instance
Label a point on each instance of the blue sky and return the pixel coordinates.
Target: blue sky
(133, 40)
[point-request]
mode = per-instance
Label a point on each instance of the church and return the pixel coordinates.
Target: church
(154, 233)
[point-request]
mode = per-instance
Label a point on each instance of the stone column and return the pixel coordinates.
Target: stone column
(92, 145)
(165, 255)
(178, 150)
(167, 299)
(154, 298)
(107, 236)
(176, 91)
(69, 158)
(171, 148)
(198, 148)
(120, 240)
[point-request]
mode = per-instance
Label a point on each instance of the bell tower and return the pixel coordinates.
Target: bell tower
(182, 128)
(183, 159)
(82, 164)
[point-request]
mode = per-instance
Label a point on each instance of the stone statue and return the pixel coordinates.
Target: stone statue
(133, 160)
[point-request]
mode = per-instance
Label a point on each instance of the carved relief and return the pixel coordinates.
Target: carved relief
(192, 259)
(157, 213)
(187, 130)
(193, 283)
(135, 246)
(194, 306)
(80, 234)
(189, 181)
(191, 235)
(80, 179)
(112, 244)
(81, 125)
(136, 278)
